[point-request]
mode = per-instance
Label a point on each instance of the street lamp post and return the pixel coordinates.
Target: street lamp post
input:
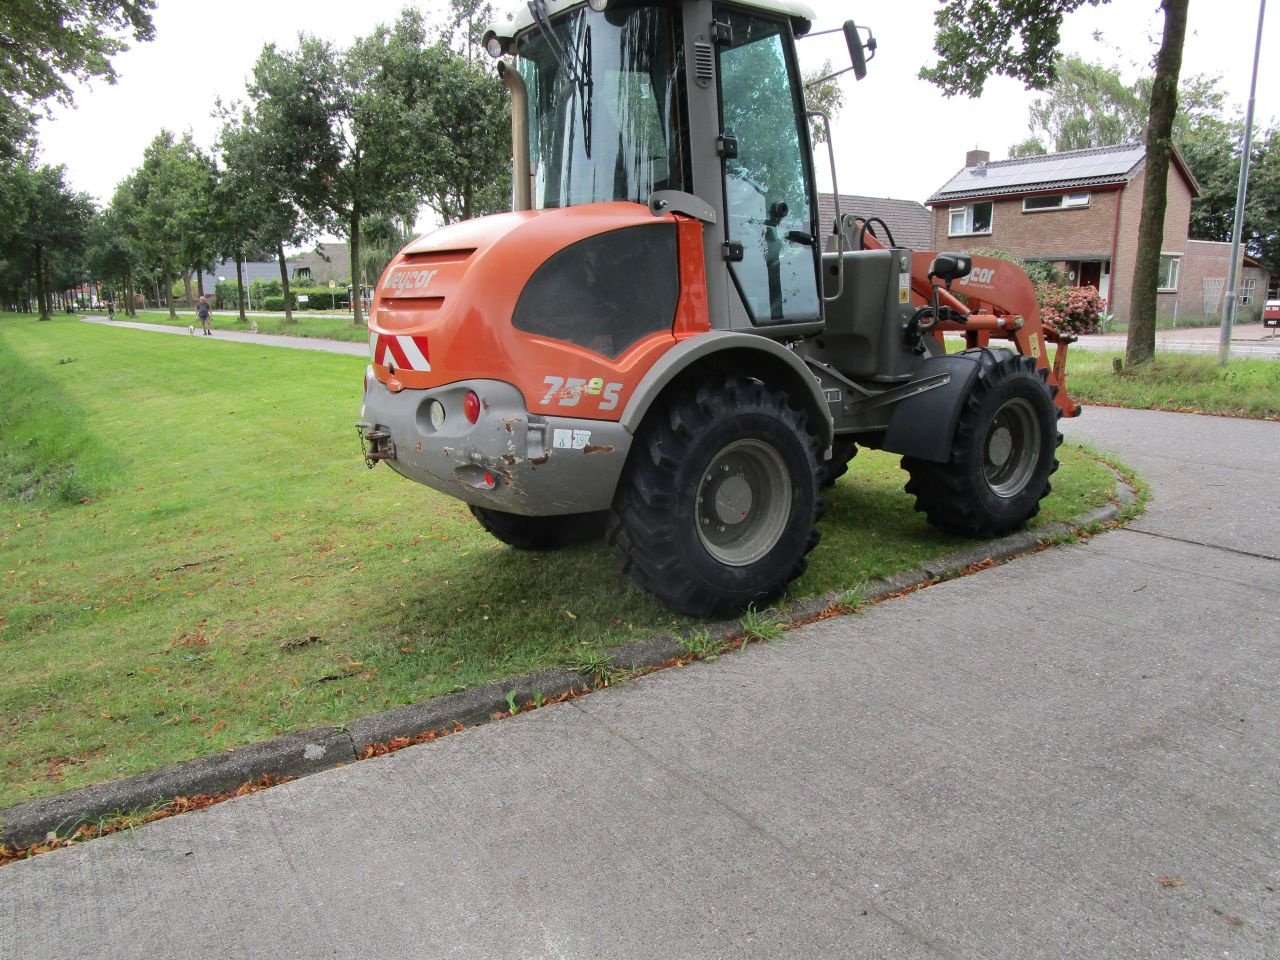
(1229, 308)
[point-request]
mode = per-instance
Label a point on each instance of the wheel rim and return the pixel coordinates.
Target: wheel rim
(743, 502)
(1012, 447)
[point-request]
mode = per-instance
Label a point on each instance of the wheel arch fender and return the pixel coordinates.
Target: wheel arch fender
(747, 354)
(924, 425)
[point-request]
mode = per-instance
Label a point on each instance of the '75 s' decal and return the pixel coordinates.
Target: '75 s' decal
(571, 391)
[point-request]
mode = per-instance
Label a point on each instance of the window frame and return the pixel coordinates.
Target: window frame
(967, 210)
(1248, 288)
(1175, 261)
(1064, 201)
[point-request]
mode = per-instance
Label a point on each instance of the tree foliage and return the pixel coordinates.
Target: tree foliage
(166, 207)
(43, 233)
(47, 43)
(376, 128)
(1012, 38)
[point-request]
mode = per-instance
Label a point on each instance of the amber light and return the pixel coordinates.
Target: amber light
(471, 406)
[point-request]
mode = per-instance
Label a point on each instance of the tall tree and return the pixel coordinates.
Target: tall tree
(1019, 39)
(256, 210)
(49, 233)
(47, 43)
(376, 129)
(170, 205)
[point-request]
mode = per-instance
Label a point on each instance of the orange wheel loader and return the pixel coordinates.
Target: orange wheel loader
(657, 346)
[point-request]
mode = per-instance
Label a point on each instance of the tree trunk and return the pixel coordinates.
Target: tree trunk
(186, 287)
(284, 281)
(200, 282)
(240, 285)
(357, 287)
(42, 289)
(168, 293)
(1140, 346)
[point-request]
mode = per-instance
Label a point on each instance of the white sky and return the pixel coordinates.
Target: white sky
(897, 136)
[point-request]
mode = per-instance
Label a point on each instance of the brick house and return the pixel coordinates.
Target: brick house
(1078, 210)
(1203, 283)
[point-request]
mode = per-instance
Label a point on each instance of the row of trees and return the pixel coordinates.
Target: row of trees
(350, 141)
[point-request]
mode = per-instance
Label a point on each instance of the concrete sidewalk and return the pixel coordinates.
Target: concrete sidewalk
(1071, 755)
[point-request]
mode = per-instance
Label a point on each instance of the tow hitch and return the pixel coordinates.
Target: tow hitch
(375, 444)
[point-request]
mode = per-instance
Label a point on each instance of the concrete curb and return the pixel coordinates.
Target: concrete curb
(322, 748)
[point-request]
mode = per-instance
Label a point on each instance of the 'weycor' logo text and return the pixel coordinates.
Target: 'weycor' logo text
(411, 279)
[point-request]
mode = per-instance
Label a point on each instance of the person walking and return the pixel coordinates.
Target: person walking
(202, 311)
(111, 309)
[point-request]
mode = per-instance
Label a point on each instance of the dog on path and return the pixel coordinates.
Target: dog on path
(191, 330)
(253, 326)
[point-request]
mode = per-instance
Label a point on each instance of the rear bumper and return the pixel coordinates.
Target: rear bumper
(507, 460)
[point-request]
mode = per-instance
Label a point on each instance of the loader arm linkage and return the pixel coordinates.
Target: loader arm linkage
(1002, 305)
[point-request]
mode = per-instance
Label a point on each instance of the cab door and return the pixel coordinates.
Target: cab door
(770, 220)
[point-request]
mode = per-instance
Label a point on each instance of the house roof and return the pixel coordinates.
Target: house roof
(1096, 166)
(909, 222)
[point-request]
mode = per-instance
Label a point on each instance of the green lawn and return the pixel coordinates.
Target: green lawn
(1179, 382)
(193, 556)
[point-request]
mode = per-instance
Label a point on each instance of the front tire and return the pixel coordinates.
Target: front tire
(1001, 458)
(717, 506)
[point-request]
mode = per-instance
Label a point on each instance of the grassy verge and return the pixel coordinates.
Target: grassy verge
(235, 571)
(1178, 382)
(336, 326)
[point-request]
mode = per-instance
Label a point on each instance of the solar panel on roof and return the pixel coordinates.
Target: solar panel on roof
(1045, 170)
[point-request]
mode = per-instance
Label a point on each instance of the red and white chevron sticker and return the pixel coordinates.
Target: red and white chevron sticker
(399, 351)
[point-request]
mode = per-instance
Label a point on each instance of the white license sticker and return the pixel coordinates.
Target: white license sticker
(904, 288)
(570, 439)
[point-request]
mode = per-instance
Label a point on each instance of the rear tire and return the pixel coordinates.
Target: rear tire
(541, 533)
(1001, 458)
(717, 506)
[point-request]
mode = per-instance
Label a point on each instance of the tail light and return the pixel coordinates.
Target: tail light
(471, 406)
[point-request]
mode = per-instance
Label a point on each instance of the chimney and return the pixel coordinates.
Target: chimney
(977, 158)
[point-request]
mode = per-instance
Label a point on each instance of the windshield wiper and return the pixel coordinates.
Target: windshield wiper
(574, 65)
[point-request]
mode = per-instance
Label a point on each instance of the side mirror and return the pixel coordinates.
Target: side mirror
(855, 49)
(950, 266)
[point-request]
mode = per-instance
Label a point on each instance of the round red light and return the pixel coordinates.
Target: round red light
(471, 406)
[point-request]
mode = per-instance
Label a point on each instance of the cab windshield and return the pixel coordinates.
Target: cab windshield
(606, 114)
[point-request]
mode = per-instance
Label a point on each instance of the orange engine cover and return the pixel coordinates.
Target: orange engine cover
(444, 308)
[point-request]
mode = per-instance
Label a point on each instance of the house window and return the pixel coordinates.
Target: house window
(1247, 292)
(969, 219)
(1168, 271)
(1054, 201)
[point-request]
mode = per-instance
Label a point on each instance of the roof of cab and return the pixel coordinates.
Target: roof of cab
(519, 17)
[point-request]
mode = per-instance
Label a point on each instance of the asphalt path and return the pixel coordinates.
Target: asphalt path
(1070, 755)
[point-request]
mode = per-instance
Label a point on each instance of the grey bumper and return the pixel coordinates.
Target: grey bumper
(507, 460)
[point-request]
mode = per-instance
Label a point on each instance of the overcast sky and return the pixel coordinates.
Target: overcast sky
(897, 136)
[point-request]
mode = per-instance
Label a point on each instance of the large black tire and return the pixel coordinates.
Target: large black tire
(542, 533)
(1001, 458)
(717, 506)
(843, 450)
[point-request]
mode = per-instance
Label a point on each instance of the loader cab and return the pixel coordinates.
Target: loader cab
(625, 100)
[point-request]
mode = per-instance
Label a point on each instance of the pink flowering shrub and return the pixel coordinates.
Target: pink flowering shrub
(1071, 309)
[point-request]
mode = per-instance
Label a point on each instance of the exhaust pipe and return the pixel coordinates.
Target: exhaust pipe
(521, 174)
